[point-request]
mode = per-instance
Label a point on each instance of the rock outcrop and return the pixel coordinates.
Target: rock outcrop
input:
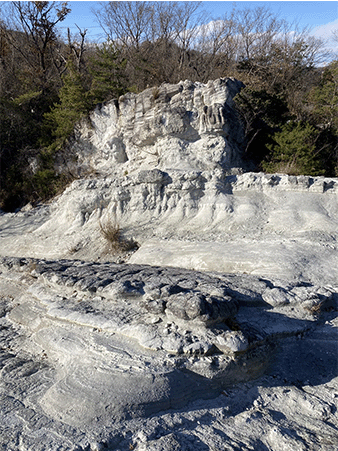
(267, 225)
(90, 349)
(165, 167)
(168, 299)
(187, 127)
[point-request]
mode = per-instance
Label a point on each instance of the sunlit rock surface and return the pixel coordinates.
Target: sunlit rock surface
(217, 331)
(188, 126)
(103, 354)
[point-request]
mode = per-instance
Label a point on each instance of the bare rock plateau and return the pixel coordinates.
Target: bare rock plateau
(169, 298)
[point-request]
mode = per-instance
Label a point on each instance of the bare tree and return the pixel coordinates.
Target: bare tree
(216, 45)
(155, 36)
(256, 30)
(77, 47)
(128, 23)
(35, 22)
(335, 39)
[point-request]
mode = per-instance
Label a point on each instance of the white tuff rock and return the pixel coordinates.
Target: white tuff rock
(218, 332)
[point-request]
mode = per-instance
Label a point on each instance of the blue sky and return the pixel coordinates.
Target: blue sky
(322, 17)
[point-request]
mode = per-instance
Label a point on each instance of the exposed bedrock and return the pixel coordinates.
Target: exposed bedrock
(268, 225)
(188, 126)
(165, 167)
(122, 341)
(167, 299)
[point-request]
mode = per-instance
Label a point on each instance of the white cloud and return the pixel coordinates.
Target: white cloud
(325, 31)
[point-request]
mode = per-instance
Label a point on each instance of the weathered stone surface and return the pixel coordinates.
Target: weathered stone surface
(188, 126)
(97, 353)
(196, 220)
(95, 347)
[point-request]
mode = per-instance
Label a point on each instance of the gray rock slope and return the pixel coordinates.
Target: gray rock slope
(219, 332)
(102, 355)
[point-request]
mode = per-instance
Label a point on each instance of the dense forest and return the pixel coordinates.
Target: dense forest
(48, 82)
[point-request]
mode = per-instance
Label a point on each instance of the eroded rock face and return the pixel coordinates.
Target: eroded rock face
(188, 126)
(162, 171)
(124, 350)
(262, 224)
(87, 346)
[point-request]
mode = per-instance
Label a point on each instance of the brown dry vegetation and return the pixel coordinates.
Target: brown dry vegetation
(112, 232)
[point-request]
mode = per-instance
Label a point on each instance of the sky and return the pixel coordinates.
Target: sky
(321, 16)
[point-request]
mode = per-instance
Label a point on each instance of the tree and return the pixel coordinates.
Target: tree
(321, 106)
(262, 114)
(154, 37)
(294, 151)
(277, 56)
(23, 168)
(256, 29)
(73, 105)
(106, 69)
(217, 46)
(36, 22)
(322, 100)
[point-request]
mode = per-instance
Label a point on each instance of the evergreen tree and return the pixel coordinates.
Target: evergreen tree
(322, 100)
(73, 105)
(262, 114)
(106, 69)
(294, 151)
(321, 106)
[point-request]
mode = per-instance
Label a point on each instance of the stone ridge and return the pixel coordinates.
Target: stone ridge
(282, 182)
(188, 126)
(148, 301)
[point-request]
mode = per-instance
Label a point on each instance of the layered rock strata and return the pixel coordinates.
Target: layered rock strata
(110, 336)
(88, 345)
(188, 126)
(268, 225)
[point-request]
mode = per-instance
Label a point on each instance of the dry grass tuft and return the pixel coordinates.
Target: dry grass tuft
(117, 243)
(156, 92)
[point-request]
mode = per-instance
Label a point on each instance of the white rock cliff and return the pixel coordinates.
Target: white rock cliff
(218, 332)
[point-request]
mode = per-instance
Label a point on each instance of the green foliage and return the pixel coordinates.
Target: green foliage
(44, 184)
(16, 129)
(72, 106)
(294, 151)
(322, 100)
(258, 104)
(327, 142)
(20, 133)
(261, 114)
(106, 69)
(31, 178)
(21, 119)
(275, 143)
(27, 97)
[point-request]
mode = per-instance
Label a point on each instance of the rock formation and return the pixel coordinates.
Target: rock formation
(187, 127)
(218, 330)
